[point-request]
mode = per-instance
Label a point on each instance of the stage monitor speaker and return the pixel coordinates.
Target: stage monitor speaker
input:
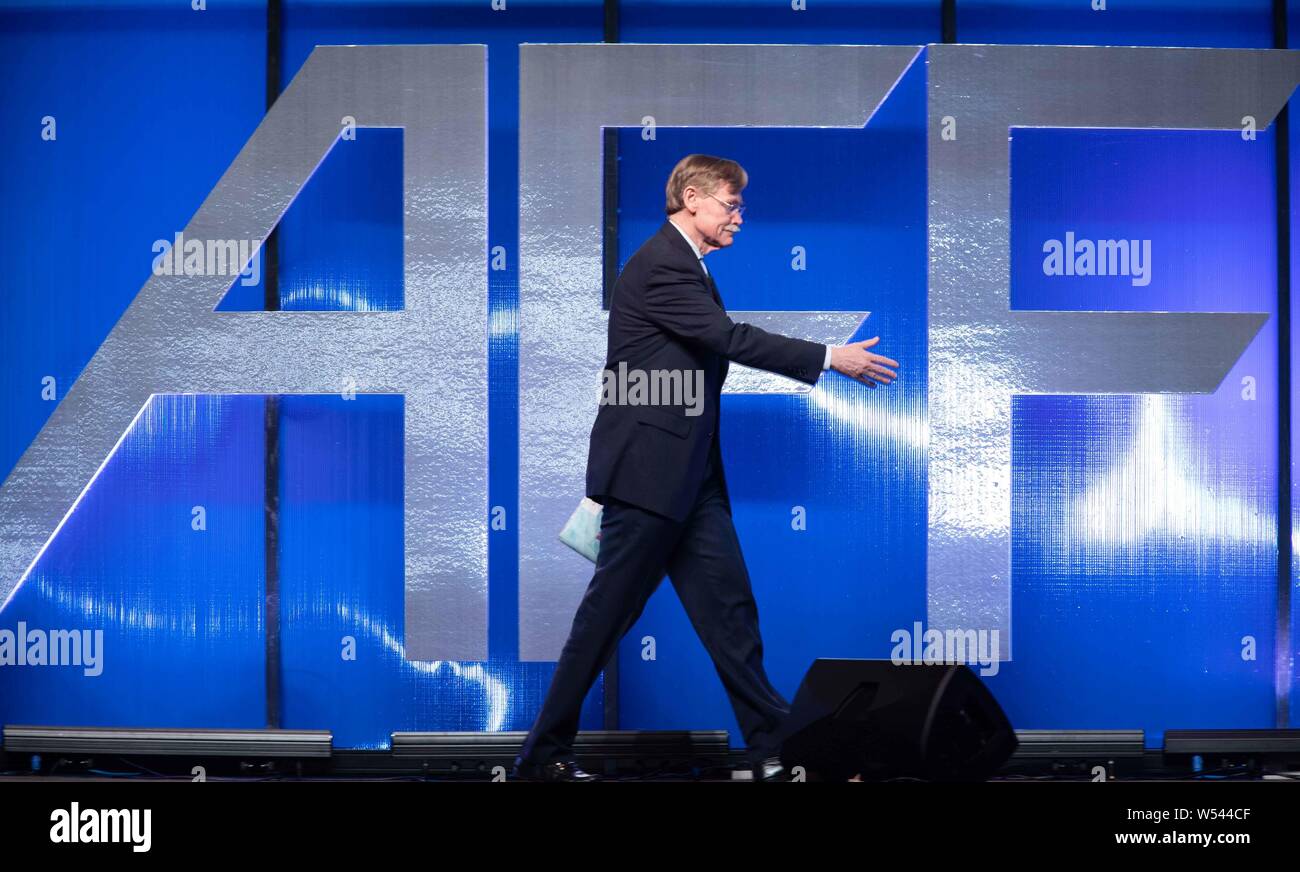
(878, 720)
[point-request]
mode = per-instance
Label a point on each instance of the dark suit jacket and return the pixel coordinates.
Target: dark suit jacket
(666, 314)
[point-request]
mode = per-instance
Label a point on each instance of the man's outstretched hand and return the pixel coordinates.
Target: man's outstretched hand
(855, 361)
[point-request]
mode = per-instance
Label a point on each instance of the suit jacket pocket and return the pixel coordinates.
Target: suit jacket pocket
(670, 421)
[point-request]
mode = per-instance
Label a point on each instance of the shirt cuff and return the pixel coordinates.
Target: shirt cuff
(827, 363)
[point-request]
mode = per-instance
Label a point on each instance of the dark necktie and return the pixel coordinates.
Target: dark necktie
(713, 289)
(723, 363)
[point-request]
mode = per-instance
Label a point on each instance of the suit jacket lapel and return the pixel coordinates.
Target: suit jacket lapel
(676, 239)
(724, 365)
(713, 289)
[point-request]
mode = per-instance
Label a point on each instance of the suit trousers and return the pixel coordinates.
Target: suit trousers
(702, 558)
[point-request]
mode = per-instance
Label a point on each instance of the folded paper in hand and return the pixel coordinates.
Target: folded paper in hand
(583, 527)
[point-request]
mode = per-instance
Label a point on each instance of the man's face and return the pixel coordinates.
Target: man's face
(713, 220)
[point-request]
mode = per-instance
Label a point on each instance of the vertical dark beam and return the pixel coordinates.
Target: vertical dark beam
(609, 139)
(271, 251)
(609, 249)
(609, 226)
(271, 513)
(611, 21)
(271, 495)
(1282, 666)
(948, 21)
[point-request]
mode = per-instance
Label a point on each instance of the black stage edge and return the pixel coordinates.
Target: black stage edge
(40, 752)
(1278, 748)
(1095, 755)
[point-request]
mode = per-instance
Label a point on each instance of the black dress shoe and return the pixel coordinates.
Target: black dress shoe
(770, 770)
(556, 770)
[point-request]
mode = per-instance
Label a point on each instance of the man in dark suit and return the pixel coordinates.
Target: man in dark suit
(655, 464)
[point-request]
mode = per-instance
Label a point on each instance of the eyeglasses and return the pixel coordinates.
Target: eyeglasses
(732, 208)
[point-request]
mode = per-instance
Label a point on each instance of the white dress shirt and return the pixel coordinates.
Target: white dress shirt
(826, 364)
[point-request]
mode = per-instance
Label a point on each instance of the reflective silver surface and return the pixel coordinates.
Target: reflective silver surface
(980, 352)
(434, 351)
(567, 93)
